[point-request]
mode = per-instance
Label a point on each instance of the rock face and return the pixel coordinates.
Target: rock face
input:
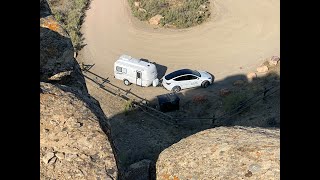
(223, 153)
(155, 20)
(57, 52)
(47, 157)
(44, 9)
(141, 170)
(70, 133)
(73, 128)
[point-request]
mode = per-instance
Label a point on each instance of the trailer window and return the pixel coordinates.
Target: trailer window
(138, 75)
(119, 69)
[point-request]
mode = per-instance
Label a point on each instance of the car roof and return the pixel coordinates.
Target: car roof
(178, 73)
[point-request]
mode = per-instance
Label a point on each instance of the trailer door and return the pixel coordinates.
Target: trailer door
(139, 78)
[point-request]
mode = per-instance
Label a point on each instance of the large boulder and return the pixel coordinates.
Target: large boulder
(273, 61)
(72, 141)
(57, 52)
(262, 69)
(223, 153)
(251, 76)
(74, 131)
(155, 20)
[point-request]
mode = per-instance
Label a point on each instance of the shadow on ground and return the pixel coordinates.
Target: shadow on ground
(138, 136)
(160, 68)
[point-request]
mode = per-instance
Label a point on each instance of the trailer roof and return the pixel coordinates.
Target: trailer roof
(135, 61)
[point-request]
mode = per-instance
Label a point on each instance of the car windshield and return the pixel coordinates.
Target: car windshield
(196, 73)
(181, 72)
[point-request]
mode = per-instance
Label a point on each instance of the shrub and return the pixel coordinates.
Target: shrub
(127, 107)
(184, 15)
(70, 14)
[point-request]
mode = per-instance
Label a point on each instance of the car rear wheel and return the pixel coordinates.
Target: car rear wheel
(126, 82)
(176, 89)
(205, 84)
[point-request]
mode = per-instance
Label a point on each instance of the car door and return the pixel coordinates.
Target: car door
(192, 81)
(180, 81)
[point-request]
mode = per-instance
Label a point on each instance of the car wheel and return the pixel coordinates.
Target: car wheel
(205, 84)
(176, 89)
(126, 82)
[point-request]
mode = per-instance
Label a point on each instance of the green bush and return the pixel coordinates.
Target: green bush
(70, 14)
(183, 16)
(128, 106)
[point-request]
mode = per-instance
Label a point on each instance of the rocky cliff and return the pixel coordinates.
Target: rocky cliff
(74, 131)
(223, 153)
(57, 64)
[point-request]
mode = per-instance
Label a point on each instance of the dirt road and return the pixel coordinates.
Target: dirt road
(239, 34)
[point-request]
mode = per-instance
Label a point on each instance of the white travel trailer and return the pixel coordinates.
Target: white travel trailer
(136, 71)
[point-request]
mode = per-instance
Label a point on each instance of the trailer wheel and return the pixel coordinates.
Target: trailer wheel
(176, 89)
(126, 82)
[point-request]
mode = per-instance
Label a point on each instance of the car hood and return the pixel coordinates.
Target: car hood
(205, 74)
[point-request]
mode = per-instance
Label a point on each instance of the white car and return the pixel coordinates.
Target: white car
(186, 78)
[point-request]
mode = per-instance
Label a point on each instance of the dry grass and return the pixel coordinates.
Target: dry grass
(70, 14)
(271, 78)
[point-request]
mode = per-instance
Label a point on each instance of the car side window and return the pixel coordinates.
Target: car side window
(191, 77)
(181, 78)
